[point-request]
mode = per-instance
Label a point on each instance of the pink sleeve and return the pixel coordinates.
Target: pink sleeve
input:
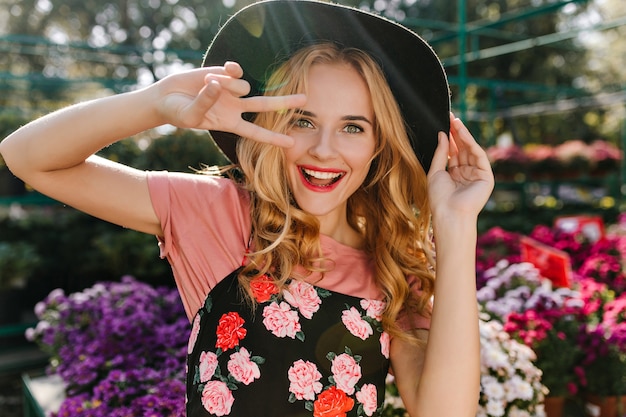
(206, 227)
(411, 320)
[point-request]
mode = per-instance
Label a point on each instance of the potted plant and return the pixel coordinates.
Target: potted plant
(510, 384)
(552, 334)
(540, 316)
(602, 371)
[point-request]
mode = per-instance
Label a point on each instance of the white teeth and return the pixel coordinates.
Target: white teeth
(321, 175)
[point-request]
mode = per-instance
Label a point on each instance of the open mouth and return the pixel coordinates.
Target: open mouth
(321, 178)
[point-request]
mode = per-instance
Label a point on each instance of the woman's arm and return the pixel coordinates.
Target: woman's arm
(54, 154)
(449, 383)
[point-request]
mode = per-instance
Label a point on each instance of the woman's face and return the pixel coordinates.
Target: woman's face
(334, 143)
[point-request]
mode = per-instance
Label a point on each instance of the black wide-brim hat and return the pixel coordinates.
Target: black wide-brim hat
(265, 33)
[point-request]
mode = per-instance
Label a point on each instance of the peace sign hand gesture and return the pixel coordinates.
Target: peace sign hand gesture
(212, 98)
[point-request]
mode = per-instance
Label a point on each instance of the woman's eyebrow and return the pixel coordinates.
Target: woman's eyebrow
(357, 118)
(346, 118)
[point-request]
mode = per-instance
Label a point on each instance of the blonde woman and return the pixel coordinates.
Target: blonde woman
(309, 278)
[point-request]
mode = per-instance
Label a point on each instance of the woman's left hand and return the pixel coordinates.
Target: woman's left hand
(460, 179)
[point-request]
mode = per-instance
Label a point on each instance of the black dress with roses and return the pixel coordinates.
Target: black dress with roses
(306, 352)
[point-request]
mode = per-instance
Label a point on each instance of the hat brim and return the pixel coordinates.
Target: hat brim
(268, 32)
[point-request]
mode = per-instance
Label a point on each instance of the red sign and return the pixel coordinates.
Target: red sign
(553, 264)
(591, 227)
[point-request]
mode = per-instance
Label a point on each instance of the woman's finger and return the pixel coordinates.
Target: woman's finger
(273, 103)
(193, 113)
(255, 132)
(236, 86)
(440, 158)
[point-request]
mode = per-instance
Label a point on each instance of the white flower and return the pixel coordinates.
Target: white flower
(494, 408)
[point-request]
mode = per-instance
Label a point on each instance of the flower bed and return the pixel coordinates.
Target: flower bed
(121, 347)
(572, 158)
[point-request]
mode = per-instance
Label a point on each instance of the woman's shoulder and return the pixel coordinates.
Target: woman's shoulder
(195, 186)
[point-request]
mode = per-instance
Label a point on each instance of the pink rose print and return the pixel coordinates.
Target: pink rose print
(368, 397)
(355, 324)
(242, 368)
(346, 372)
(281, 320)
(230, 331)
(208, 365)
(303, 296)
(374, 308)
(304, 380)
(384, 344)
(217, 398)
(195, 330)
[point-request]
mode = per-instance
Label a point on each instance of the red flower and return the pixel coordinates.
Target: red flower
(332, 403)
(263, 287)
(230, 331)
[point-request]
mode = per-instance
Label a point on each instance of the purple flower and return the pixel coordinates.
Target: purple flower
(119, 346)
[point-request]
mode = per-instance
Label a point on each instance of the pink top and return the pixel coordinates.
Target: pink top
(206, 230)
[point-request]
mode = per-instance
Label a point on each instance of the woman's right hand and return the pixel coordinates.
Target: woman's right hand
(212, 98)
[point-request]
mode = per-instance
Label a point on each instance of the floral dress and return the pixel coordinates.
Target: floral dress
(306, 352)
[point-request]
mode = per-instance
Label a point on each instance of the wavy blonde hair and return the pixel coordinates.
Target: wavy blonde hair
(390, 209)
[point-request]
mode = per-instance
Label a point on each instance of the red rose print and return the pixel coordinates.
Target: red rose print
(263, 288)
(332, 403)
(230, 331)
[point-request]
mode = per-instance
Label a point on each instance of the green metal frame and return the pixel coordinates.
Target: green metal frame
(466, 34)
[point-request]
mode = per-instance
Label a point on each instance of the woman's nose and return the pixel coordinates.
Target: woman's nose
(323, 146)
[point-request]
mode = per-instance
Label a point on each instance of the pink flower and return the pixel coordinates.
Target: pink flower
(303, 296)
(281, 320)
(242, 368)
(346, 372)
(368, 397)
(384, 344)
(217, 398)
(208, 365)
(195, 330)
(304, 380)
(355, 324)
(374, 308)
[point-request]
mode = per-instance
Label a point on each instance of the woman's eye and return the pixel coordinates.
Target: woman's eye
(302, 123)
(353, 129)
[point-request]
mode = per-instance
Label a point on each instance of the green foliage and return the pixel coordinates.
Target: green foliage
(17, 261)
(76, 250)
(183, 150)
(8, 124)
(126, 152)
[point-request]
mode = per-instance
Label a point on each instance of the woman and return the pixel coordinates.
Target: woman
(310, 278)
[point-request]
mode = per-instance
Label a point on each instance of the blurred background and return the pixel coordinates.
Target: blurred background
(540, 83)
